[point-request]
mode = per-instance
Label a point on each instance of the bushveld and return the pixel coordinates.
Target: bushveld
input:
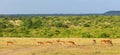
(51, 46)
(60, 26)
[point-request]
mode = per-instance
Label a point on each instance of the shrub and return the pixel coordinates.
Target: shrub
(86, 35)
(104, 35)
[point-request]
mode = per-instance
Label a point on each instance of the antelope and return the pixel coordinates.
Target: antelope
(49, 42)
(106, 42)
(94, 42)
(40, 43)
(10, 43)
(71, 43)
(61, 42)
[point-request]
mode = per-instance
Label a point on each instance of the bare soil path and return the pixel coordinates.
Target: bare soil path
(11, 52)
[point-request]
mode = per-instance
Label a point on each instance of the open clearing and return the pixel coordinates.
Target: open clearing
(84, 46)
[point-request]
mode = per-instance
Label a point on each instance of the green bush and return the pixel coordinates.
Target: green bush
(60, 26)
(86, 35)
(104, 35)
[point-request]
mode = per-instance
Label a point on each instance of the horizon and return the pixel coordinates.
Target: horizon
(58, 7)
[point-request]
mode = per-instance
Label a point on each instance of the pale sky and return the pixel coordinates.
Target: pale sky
(57, 6)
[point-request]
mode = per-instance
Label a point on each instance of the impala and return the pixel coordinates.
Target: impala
(40, 43)
(61, 42)
(94, 42)
(49, 42)
(10, 43)
(71, 42)
(106, 42)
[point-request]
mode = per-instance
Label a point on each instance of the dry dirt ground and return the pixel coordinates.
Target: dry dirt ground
(84, 46)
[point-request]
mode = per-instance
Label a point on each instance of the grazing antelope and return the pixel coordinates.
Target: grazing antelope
(94, 42)
(71, 43)
(49, 42)
(10, 43)
(106, 42)
(40, 43)
(61, 42)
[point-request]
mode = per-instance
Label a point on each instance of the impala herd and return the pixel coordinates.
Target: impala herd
(59, 42)
(62, 42)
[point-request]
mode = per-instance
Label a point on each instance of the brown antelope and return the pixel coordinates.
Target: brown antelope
(94, 42)
(106, 42)
(49, 42)
(10, 43)
(61, 42)
(40, 43)
(71, 43)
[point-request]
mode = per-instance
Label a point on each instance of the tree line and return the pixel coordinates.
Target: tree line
(60, 26)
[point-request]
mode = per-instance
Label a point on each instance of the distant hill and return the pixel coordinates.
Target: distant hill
(108, 13)
(48, 14)
(112, 13)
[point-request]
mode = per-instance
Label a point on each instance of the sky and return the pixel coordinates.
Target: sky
(57, 6)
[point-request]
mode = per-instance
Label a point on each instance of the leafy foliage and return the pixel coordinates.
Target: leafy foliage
(60, 26)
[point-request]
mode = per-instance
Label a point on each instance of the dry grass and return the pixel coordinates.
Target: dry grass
(84, 46)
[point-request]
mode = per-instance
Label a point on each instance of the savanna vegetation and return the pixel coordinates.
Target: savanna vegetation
(60, 26)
